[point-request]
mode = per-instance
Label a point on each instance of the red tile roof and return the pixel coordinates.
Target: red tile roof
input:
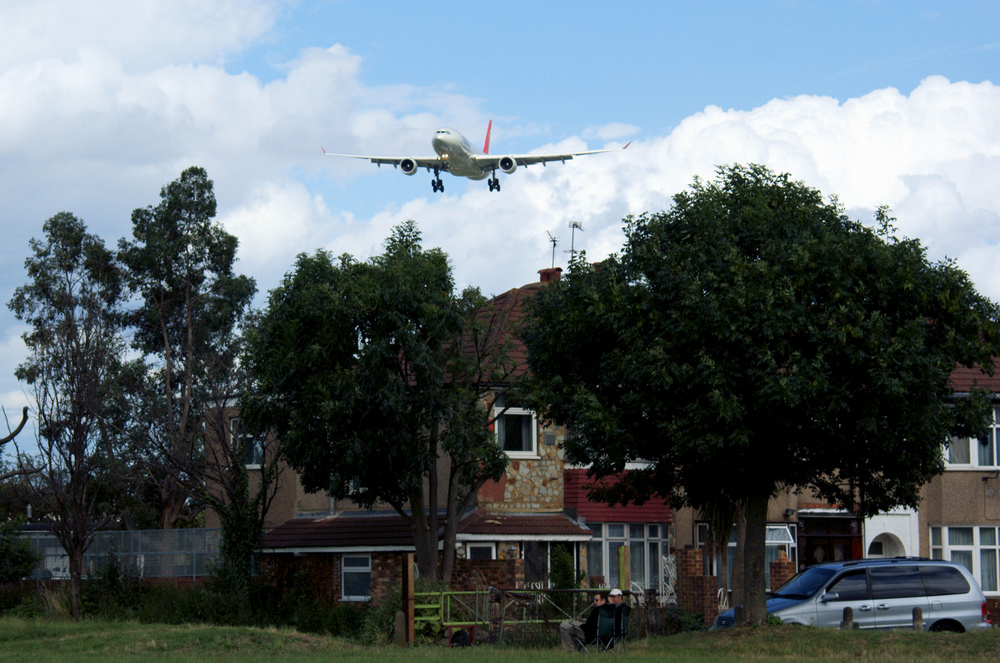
(553, 526)
(370, 530)
(963, 379)
(388, 530)
(575, 484)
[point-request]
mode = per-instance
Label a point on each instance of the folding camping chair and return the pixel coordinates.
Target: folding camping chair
(605, 633)
(619, 638)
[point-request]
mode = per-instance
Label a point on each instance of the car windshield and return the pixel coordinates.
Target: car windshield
(805, 584)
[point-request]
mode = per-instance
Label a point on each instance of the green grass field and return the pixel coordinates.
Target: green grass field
(108, 642)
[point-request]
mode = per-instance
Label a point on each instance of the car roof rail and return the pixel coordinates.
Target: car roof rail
(890, 560)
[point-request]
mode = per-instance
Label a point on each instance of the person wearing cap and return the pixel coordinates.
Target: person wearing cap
(615, 596)
(586, 630)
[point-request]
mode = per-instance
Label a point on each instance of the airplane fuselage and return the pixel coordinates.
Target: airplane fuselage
(454, 148)
(456, 155)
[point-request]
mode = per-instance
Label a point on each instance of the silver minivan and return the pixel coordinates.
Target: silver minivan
(882, 593)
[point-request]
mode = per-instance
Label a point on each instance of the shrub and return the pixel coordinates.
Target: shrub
(344, 620)
(563, 575)
(17, 559)
(676, 619)
(379, 620)
(113, 591)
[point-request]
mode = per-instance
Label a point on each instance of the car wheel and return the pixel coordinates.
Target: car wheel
(947, 627)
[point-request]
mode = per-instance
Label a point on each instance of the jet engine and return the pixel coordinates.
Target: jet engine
(408, 165)
(507, 164)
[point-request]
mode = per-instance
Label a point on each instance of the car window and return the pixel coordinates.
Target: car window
(943, 580)
(806, 583)
(851, 587)
(896, 581)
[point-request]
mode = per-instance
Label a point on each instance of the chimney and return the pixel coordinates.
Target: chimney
(550, 274)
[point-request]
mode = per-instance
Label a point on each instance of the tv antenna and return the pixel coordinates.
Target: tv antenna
(554, 240)
(574, 225)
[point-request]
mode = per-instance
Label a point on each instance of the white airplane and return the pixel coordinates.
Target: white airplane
(457, 156)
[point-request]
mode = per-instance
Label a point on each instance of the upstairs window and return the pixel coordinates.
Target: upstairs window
(964, 451)
(516, 430)
(253, 447)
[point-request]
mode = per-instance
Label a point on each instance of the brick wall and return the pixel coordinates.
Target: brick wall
(696, 592)
(781, 570)
(320, 574)
(387, 573)
(470, 574)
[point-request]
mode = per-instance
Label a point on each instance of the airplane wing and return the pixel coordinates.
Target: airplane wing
(413, 164)
(488, 161)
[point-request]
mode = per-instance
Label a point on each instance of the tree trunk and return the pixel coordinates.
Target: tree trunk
(424, 538)
(738, 580)
(75, 580)
(755, 602)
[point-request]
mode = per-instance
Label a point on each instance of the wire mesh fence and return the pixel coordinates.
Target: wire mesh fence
(178, 553)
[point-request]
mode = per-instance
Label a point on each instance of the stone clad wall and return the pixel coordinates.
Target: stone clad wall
(532, 484)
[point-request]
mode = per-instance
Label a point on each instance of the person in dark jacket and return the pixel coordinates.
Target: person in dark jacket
(582, 630)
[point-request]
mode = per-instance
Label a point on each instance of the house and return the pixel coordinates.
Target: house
(541, 503)
(960, 510)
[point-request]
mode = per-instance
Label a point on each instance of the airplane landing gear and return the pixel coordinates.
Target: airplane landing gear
(437, 185)
(494, 183)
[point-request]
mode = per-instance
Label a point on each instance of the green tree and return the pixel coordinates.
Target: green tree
(75, 367)
(376, 378)
(17, 559)
(753, 338)
(179, 265)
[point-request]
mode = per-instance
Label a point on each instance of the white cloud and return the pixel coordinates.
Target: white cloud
(932, 156)
(281, 220)
(142, 35)
(612, 131)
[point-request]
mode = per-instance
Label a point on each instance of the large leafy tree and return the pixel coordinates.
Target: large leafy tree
(75, 366)
(753, 338)
(375, 376)
(180, 267)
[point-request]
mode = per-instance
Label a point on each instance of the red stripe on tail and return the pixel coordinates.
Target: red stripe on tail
(486, 145)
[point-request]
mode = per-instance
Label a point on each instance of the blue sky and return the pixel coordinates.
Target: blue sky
(104, 102)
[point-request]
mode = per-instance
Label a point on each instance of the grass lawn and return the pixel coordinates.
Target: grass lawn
(108, 642)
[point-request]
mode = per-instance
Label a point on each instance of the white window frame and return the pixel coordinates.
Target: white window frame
(345, 570)
(499, 411)
(942, 547)
(976, 461)
(609, 543)
(236, 429)
(778, 537)
(490, 546)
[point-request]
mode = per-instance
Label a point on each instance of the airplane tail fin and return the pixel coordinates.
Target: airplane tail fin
(486, 145)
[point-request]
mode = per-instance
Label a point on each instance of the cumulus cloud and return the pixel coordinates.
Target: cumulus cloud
(932, 156)
(612, 131)
(140, 35)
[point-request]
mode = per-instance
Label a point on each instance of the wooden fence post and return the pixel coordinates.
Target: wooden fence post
(624, 569)
(408, 598)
